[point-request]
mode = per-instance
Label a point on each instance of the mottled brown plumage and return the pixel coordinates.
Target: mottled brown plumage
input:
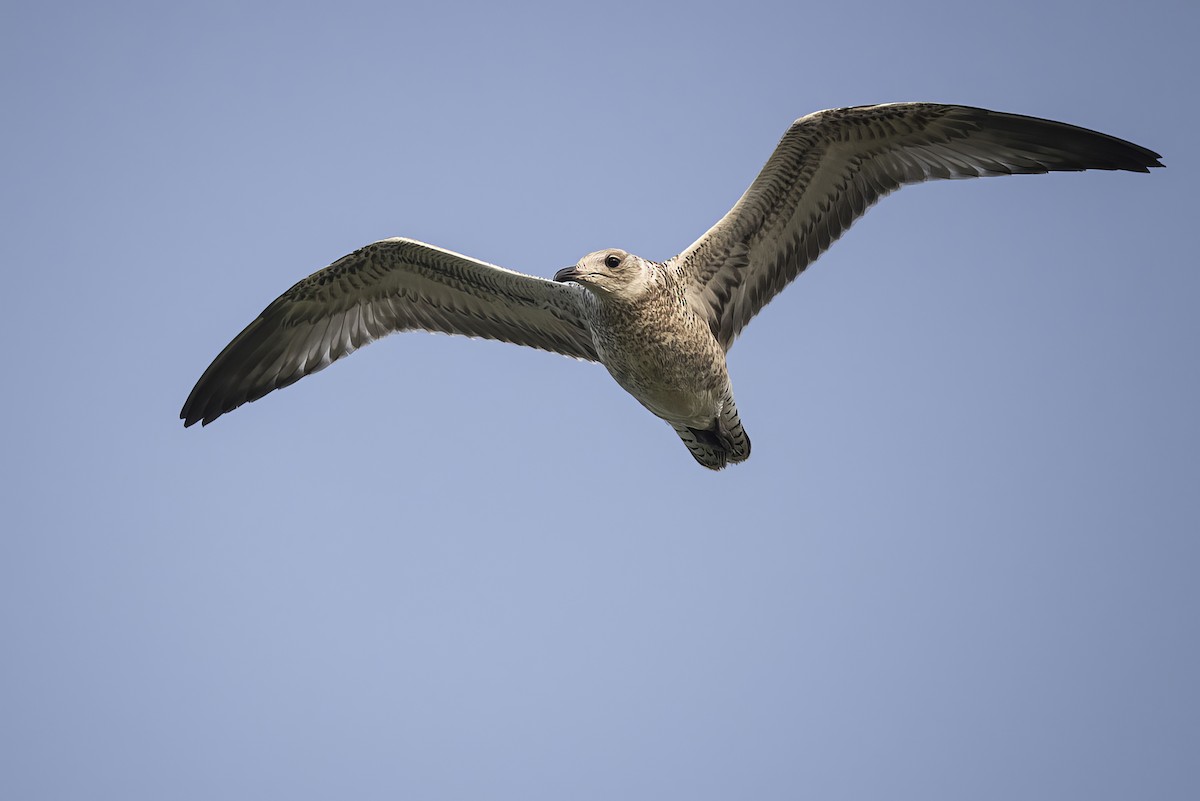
(661, 329)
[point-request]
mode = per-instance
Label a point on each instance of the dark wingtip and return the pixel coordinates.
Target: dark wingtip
(1061, 146)
(1149, 160)
(190, 416)
(199, 411)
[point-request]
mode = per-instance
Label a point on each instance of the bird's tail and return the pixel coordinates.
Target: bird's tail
(724, 443)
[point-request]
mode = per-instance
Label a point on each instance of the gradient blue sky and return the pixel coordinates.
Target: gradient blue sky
(961, 563)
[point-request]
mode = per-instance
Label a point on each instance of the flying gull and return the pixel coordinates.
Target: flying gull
(661, 328)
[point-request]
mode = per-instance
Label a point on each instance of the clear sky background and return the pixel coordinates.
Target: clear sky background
(961, 563)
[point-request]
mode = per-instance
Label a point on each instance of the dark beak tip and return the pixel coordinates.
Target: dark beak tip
(565, 274)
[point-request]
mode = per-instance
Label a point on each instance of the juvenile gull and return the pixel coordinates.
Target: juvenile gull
(661, 328)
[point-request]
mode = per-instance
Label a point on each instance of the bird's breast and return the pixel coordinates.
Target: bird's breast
(668, 360)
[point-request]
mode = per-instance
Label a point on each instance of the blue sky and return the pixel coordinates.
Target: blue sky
(960, 564)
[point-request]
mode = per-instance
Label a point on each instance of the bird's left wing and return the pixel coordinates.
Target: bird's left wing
(832, 165)
(389, 286)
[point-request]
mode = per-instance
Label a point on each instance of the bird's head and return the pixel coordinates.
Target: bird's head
(609, 272)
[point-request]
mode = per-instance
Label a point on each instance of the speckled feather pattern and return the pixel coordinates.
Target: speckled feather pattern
(661, 351)
(831, 166)
(661, 329)
(655, 342)
(388, 286)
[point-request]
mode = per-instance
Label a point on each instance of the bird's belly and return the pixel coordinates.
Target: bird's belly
(688, 391)
(697, 410)
(666, 358)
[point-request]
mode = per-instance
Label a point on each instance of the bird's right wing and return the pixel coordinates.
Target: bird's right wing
(389, 286)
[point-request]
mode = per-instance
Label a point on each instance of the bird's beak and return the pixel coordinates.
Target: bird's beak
(567, 274)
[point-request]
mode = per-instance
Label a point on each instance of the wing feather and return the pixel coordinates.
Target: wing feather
(831, 166)
(389, 286)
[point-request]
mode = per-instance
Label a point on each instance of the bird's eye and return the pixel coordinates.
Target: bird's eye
(612, 262)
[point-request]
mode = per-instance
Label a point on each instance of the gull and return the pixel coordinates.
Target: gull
(662, 329)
